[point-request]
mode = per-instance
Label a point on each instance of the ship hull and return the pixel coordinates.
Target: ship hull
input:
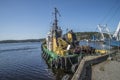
(67, 63)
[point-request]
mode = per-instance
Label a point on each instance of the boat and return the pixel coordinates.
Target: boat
(63, 51)
(102, 51)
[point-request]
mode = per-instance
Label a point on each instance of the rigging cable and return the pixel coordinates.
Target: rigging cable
(114, 14)
(105, 17)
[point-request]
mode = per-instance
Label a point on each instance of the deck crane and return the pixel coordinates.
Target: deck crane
(104, 29)
(116, 34)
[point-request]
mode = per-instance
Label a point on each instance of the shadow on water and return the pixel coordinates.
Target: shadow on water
(88, 72)
(59, 74)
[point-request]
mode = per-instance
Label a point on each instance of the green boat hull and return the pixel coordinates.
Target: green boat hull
(62, 62)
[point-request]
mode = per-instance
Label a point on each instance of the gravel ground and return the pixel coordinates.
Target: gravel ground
(108, 70)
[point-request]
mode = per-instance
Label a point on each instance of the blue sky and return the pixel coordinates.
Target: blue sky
(31, 19)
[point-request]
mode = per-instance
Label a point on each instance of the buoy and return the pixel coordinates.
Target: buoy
(74, 68)
(79, 59)
(66, 77)
(61, 64)
(51, 63)
(56, 64)
(43, 55)
(47, 57)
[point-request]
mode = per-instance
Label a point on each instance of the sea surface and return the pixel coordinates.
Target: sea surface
(23, 61)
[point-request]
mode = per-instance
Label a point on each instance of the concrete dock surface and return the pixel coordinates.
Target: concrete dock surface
(108, 70)
(103, 67)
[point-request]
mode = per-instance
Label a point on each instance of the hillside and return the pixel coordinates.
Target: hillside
(89, 35)
(19, 41)
(80, 36)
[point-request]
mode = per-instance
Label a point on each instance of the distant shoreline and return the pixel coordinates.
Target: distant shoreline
(20, 41)
(80, 36)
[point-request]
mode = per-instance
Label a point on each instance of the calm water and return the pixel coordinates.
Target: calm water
(97, 45)
(22, 61)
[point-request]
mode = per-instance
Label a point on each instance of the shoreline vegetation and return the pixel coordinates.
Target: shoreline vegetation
(80, 36)
(90, 35)
(21, 41)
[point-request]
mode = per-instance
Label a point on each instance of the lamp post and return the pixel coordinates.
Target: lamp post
(118, 40)
(109, 47)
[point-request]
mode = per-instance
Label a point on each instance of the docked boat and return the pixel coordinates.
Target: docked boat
(63, 51)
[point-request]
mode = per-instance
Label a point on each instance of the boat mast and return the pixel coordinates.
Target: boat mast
(56, 31)
(56, 18)
(56, 21)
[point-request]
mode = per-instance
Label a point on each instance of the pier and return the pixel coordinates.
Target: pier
(87, 62)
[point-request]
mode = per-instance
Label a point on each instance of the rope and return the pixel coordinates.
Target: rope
(70, 61)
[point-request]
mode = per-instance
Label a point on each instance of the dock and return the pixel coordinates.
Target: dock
(88, 61)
